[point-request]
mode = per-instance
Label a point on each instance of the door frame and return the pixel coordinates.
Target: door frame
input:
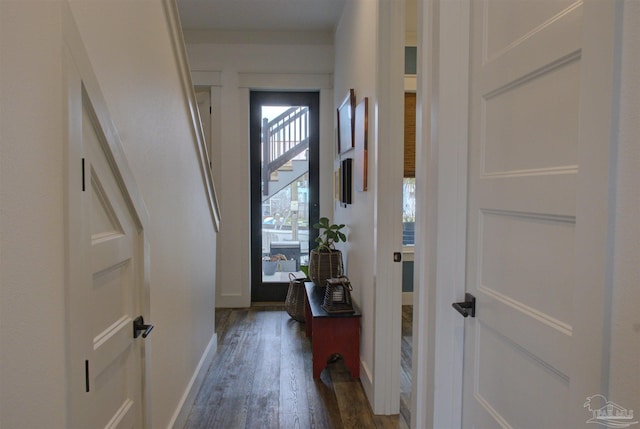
(441, 212)
(232, 268)
(81, 85)
(282, 97)
(441, 146)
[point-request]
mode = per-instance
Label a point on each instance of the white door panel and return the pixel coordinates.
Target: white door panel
(510, 22)
(106, 265)
(523, 164)
(106, 278)
(113, 294)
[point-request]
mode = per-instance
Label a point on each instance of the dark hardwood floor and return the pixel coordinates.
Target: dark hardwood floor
(261, 378)
(405, 367)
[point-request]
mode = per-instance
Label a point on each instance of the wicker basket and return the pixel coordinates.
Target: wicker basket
(325, 265)
(294, 304)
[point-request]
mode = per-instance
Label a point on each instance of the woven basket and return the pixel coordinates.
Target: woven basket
(294, 304)
(337, 296)
(325, 265)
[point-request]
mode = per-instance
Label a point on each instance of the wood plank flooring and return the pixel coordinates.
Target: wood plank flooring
(261, 377)
(405, 367)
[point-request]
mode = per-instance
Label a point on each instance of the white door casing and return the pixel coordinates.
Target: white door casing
(106, 261)
(383, 385)
(529, 161)
(205, 107)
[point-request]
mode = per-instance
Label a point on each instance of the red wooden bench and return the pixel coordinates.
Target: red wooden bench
(331, 333)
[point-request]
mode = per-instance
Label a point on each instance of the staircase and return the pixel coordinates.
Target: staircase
(285, 144)
(286, 175)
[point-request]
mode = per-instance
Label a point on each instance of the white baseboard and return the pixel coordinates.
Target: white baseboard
(233, 301)
(188, 398)
(366, 380)
(407, 298)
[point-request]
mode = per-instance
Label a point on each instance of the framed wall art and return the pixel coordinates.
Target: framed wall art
(346, 119)
(361, 143)
(346, 181)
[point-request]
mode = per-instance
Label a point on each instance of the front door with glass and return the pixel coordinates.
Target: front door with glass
(284, 188)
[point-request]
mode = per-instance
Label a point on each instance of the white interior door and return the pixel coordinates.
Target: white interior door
(105, 283)
(114, 293)
(528, 138)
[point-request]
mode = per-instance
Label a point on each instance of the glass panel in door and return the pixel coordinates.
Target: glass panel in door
(285, 191)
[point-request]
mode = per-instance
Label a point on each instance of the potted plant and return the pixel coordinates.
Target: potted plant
(325, 261)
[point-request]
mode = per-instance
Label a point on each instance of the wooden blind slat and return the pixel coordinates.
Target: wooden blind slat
(409, 134)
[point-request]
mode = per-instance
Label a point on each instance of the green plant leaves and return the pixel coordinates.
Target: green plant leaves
(329, 233)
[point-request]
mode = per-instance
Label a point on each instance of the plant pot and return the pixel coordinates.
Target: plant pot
(287, 266)
(269, 267)
(323, 265)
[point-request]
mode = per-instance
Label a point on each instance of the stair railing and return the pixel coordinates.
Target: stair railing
(283, 138)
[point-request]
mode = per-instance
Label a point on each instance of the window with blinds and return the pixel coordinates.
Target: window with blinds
(409, 134)
(409, 184)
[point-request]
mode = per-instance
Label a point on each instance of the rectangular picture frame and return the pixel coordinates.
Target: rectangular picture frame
(361, 137)
(346, 180)
(346, 118)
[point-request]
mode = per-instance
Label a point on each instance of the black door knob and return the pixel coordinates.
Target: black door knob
(139, 326)
(467, 307)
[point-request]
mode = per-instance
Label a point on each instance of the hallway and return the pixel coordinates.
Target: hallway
(261, 378)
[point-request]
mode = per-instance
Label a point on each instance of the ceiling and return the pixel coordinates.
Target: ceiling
(260, 15)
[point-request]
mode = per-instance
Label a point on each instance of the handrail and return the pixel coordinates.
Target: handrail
(287, 130)
(288, 155)
(284, 114)
(177, 39)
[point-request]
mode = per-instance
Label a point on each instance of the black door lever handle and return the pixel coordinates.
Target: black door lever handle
(467, 307)
(139, 326)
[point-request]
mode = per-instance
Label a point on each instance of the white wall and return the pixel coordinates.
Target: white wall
(411, 21)
(624, 383)
(130, 50)
(241, 67)
(355, 67)
(32, 359)
(369, 41)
